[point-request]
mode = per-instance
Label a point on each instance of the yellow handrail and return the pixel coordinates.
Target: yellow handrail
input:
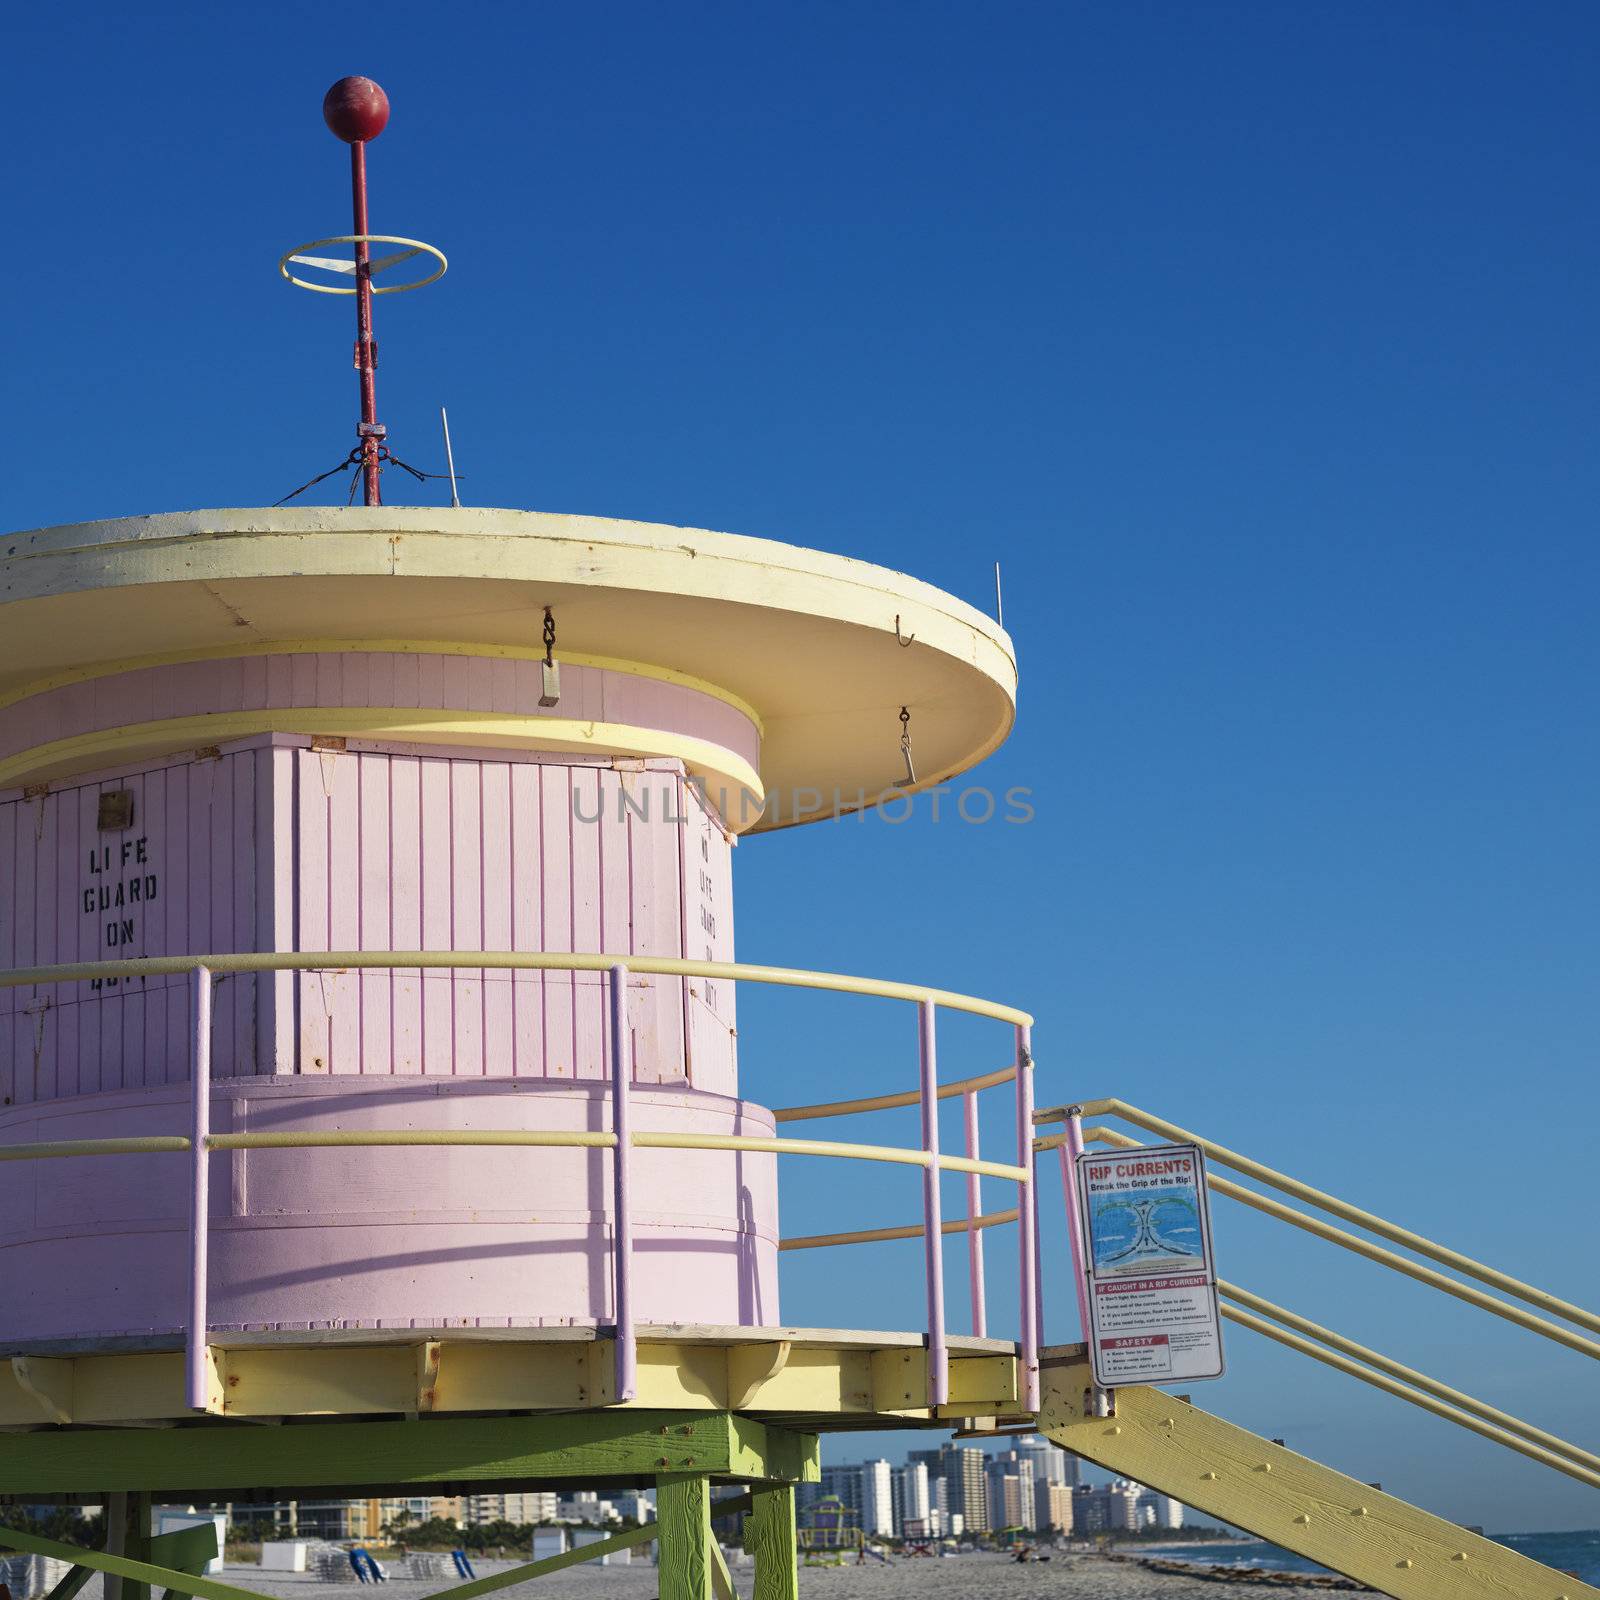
(1418, 1380)
(1373, 1252)
(511, 960)
(1336, 1207)
(202, 970)
(888, 1102)
(1462, 1419)
(52, 1149)
(826, 1147)
(379, 1138)
(816, 1241)
(339, 1139)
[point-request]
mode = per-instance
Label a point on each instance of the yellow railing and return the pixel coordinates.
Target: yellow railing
(336, 1139)
(1451, 1403)
(513, 960)
(818, 1241)
(891, 1102)
(1322, 1344)
(621, 1139)
(1336, 1207)
(1373, 1252)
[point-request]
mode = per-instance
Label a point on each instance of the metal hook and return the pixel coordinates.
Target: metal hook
(909, 781)
(908, 640)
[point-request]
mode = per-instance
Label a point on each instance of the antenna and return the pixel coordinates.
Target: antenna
(449, 457)
(357, 111)
(999, 602)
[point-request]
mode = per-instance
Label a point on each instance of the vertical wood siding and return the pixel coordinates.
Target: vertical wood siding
(182, 878)
(431, 852)
(280, 846)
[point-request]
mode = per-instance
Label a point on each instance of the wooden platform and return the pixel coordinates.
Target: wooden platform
(807, 1379)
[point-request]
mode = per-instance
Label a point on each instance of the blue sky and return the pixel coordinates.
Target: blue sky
(1257, 341)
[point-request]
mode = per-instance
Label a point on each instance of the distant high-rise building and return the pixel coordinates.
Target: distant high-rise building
(914, 1505)
(877, 1498)
(480, 1509)
(933, 1462)
(844, 1484)
(1122, 1502)
(1011, 1498)
(1123, 1506)
(972, 1502)
(1002, 1496)
(1088, 1510)
(397, 1514)
(1160, 1510)
(1054, 1502)
(585, 1506)
(960, 1468)
(1051, 1464)
(1047, 1498)
(634, 1505)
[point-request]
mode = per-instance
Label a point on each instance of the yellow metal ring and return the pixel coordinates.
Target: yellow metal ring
(362, 238)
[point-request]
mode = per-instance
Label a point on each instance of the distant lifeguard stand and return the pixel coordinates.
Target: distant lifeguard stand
(369, 1061)
(830, 1533)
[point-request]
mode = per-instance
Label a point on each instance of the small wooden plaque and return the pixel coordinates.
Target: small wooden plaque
(116, 811)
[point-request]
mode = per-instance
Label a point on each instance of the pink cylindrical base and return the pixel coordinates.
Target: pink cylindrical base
(421, 1237)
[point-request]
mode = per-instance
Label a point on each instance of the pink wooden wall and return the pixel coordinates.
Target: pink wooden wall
(416, 1237)
(276, 845)
(67, 893)
(426, 852)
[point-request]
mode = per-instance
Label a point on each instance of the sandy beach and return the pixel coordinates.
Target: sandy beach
(991, 1577)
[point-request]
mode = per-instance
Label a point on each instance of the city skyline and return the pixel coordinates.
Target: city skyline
(1025, 1484)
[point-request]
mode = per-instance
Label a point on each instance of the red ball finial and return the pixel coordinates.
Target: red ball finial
(356, 109)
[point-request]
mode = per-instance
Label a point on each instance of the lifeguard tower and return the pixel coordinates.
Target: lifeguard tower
(830, 1534)
(375, 1118)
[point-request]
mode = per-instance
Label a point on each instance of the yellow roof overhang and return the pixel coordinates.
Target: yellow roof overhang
(805, 638)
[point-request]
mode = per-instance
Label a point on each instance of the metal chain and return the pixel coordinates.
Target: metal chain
(549, 638)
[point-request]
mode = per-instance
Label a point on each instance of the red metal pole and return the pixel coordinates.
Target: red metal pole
(366, 346)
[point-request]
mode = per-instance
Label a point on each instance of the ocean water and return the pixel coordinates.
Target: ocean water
(1577, 1553)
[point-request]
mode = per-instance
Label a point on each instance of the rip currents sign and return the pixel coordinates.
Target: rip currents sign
(1152, 1283)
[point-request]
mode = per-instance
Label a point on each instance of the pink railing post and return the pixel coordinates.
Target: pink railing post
(197, 1375)
(974, 1211)
(1070, 1151)
(932, 1217)
(1027, 1217)
(621, 1214)
(1038, 1263)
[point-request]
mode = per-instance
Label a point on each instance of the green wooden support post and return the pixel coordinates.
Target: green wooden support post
(683, 1518)
(136, 1543)
(769, 1536)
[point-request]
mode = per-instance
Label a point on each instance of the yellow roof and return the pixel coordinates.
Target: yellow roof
(805, 639)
